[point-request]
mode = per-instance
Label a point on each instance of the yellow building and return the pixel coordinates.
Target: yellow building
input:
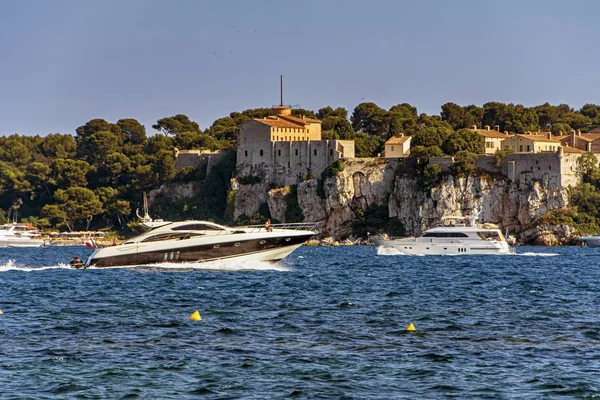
(397, 146)
(285, 150)
(531, 143)
(280, 127)
(493, 138)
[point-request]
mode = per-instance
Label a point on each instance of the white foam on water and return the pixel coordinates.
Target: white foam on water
(11, 265)
(532, 254)
(389, 251)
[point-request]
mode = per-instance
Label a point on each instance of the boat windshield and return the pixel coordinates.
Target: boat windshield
(170, 236)
(197, 227)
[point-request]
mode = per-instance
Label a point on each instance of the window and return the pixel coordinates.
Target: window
(296, 151)
(527, 148)
(245, 153)
(330, 152)
(520, 147)
(197, 227)
(315, 152)
(445, 234)
(307, 131)
(279, 152)
(261, 153)
(392, 148)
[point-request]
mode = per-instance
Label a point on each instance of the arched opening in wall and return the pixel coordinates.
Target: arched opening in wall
(358, 181)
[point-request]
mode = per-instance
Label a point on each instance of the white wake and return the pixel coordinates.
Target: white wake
(11, 265)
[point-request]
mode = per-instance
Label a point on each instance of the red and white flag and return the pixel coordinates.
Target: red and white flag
(90, 243)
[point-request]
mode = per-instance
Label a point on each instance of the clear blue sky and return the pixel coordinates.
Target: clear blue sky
(64, 62)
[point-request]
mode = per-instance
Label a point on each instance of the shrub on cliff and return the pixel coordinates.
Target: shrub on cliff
(332, 170)
(465, 164)
(293, 212)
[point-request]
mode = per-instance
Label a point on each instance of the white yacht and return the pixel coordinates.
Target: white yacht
(200, 241)
(460, 236)
(20, 235)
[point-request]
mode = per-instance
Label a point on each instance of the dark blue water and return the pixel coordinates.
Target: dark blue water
(328, 323)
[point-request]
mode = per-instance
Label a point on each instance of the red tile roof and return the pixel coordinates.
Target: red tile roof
(397, 140)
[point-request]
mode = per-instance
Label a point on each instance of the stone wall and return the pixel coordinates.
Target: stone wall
(289, 163)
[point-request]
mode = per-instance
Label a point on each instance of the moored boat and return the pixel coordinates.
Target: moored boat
(20, 235)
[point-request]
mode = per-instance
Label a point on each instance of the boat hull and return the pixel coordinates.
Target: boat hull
(420, 247)
(21, 243)
(262, 249)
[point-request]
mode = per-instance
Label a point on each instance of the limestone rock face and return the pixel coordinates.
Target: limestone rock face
(549, 235)
(373, 182)
(248, 198)
(177, 191)
(277, 203)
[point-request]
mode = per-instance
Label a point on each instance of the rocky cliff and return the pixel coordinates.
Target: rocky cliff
(365, 183)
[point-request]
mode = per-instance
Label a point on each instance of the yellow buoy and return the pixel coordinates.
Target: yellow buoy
(410, 327)
(1, 312)
(195, 316)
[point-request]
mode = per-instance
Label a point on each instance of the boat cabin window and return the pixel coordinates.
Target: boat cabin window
(445, 234)
(170, 236)
(197, 227)
(489, 235)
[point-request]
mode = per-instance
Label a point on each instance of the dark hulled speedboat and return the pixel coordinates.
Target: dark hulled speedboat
(201, 241)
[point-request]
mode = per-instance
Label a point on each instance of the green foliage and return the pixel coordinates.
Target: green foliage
(335, 168)
(588, 168)
(432, 176)
(500, 155)
(465, 164)
(176, 124)
(464, 140)
(582, 222)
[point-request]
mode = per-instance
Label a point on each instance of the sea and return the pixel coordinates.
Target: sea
(326, 323)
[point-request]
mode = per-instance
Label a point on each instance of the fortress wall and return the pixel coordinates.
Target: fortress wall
(523, 168)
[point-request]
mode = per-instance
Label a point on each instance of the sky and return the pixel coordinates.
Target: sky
(64, 62)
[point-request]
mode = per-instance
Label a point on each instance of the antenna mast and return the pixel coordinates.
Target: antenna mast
(281, 89)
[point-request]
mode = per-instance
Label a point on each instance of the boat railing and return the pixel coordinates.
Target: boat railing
(295, 226)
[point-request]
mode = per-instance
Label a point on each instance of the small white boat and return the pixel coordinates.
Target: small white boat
(455, 238)
(591, 241)
(20, 235)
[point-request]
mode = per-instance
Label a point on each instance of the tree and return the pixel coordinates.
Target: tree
(65, 173)
(464, 140)
(465, 164)
(86, 138)
(330, 112)
(457, 116)
(75, 204)
(58, 146)
(177, 124)
(370, 118)
(587, 168)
